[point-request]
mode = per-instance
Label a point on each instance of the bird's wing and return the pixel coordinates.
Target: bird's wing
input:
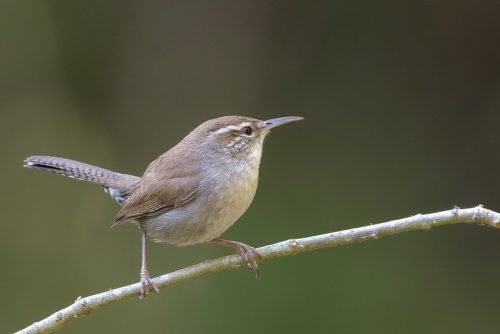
(161, 189)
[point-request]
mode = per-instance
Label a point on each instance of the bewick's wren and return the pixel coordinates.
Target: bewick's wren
(190, 194)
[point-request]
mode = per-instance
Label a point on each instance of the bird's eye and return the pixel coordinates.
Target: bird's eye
(246, 130)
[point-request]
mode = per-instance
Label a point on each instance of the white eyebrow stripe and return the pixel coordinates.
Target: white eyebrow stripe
(225, 129)
(242, 125)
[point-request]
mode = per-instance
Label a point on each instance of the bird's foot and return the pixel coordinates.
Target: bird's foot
(248, 253)
(250, 256)
(147, 284)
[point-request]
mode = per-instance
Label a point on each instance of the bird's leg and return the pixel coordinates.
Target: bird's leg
(146, 283)
(248, 253)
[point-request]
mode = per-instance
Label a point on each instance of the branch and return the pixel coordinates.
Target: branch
(83, 306)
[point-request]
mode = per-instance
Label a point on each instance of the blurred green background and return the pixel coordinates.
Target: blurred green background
(401, 100)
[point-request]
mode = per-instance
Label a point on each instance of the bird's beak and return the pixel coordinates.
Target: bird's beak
(274, 122)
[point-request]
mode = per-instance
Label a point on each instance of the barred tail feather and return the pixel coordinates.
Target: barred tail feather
(112, 182)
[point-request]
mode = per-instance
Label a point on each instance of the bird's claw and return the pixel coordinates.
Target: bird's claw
(250, 256)
(147, 285)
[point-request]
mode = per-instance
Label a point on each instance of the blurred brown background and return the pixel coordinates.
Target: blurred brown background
(401, 100)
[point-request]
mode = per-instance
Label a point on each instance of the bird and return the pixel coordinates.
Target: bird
(190, 194)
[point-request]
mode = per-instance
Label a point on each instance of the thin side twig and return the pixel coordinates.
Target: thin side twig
(83, 306)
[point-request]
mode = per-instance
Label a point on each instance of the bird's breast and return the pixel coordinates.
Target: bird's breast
(222, 197)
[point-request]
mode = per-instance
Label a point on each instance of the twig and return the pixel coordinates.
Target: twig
(83, 306)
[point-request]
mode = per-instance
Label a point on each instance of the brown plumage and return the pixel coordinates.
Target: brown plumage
(173, 178)
(190, 194)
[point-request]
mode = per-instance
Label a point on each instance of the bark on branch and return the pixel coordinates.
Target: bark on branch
(83, 306)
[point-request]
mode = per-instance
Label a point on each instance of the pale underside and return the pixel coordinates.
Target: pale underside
(186, 204)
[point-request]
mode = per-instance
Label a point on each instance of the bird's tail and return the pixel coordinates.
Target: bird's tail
(117, 185)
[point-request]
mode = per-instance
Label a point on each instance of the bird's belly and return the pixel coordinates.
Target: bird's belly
(206, 217)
